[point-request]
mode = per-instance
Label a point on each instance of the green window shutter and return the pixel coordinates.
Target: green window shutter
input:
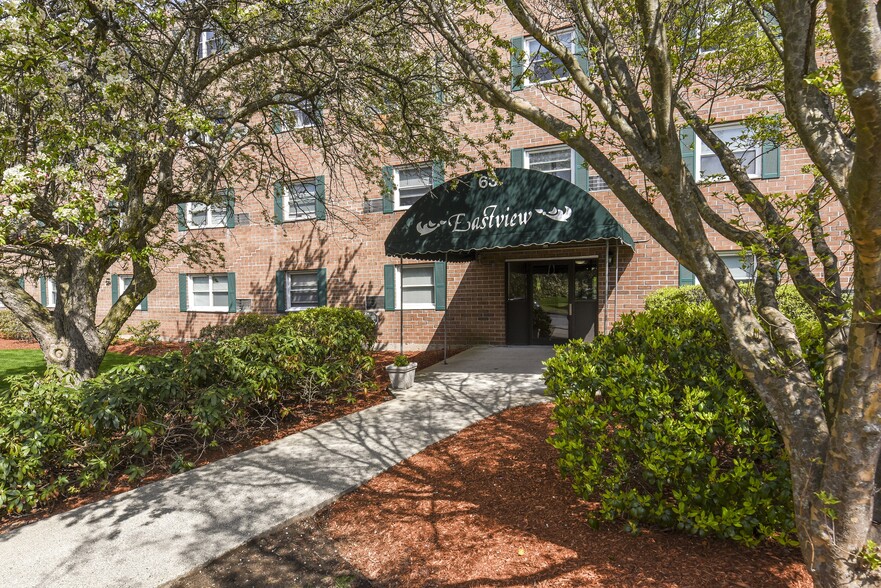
(182, 291)
(437, 173)
(770, 161)
(582, 55)
(278, 189)
(281, 296)
(388, 189)
(686, 278)
(114, 288)
(517, 65)
(582, 177)
(686, 145)
(440, 285)
(389, 273)
(43, 290)
(518, 157)
(322, 286)
(21, 282)
(231, 290)
(230, 196)
(320, 206)
(181, 217)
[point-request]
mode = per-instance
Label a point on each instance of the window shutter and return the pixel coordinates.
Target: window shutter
(275, 119)
(278, 189)
(231, 290)
(582, 176)
(440, 285)
(437, 173)
(181, 217)
(582, 55)
(517, 64)
(21, 282)
(281, 295)
(770, 161)
(686, 145)
(182, 291)
(230, 196)
(144, 304)
(686, 278)
(114, 288)
(320, 206)
(43, 290)
(388, 189)
(389, 271)
(517, 157)
(322, 286)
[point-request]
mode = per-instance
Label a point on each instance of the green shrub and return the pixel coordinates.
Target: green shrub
(12, 328)
(401, 361)
(247, 323)
(657, 423)
(56, 439)
(144, 333)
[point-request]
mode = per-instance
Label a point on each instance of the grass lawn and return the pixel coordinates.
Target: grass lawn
(15, 362)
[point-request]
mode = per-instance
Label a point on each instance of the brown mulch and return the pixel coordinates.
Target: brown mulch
(6, 344)
(486, 507)
(300, 419)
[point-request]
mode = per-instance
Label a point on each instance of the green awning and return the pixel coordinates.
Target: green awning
(475, 213)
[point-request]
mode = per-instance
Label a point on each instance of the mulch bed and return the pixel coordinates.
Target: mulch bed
(300, 419)
(486, 507)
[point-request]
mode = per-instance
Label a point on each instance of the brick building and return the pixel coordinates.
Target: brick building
(321, 241)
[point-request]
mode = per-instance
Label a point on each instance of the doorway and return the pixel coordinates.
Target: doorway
(549, 302)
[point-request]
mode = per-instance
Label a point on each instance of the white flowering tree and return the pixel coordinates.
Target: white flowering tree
(114, 112)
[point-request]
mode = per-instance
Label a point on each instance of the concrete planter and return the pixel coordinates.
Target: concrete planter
(401, 377)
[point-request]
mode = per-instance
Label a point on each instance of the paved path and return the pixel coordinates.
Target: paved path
(161, 531)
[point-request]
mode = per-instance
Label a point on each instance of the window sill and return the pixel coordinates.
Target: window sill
(216, 310)
(189, 228)
(418, 307)
(545, 82)
(299, 308)
(300, 218)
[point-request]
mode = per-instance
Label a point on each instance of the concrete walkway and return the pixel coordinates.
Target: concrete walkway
(161, 531)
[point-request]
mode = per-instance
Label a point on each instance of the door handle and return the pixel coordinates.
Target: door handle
(570, 309)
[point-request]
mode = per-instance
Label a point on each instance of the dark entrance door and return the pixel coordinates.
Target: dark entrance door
(550, 302)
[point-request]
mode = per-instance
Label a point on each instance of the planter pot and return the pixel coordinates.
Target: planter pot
(401, 377)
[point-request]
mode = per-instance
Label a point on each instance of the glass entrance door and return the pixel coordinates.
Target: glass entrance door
(551, 302)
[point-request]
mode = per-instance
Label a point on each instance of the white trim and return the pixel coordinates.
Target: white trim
(121, 288)
(528, 63)
(191, 306)
(296, 113)
(699, 146)
(397, 180)
(51, 293)
(399, 285)
(739, 256)
(287, 289)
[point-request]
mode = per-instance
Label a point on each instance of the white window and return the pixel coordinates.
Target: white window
(302, 290)
(543, 65)
(51, 293)
(411, 184)
(557, 161)
(204, 216)
(299, 200)
(209, 292)
(707, 164)
(209, 44)
(290, 117)
(742, 267)
(415, 287)
(596, 183)
(124, 283)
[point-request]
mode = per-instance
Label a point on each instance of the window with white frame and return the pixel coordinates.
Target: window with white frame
(299, 200)
(707, 164)
(290, 117)
(557, 161)
(208, 292)
(742, 266)
(302, 290)
(411, 184)
(206, 216)
(124, 283)
(51, 293)
(210, 42)
(543, 65)
(415, 287)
